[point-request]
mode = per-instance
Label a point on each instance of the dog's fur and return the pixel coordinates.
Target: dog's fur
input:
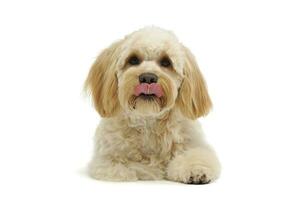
(140, 139)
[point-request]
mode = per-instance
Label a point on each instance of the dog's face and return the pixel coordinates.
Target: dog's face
(150, 72)
(147, 73)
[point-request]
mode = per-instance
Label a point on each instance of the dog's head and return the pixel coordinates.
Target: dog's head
(147, 73)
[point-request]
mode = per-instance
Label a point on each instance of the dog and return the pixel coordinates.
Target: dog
(149, 91)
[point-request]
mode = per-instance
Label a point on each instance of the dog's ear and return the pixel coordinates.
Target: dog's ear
(193, 98)
(102, 83)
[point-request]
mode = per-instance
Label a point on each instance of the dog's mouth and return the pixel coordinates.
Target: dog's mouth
(148, 91)
(148, 97)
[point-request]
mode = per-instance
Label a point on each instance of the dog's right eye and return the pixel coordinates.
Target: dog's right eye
(134, 60)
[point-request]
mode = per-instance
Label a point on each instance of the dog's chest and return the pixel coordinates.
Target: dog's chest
(150, 144)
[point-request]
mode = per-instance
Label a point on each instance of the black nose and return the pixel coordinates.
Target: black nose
(148, 78)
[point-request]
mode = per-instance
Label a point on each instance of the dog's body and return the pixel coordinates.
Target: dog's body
(149, 91)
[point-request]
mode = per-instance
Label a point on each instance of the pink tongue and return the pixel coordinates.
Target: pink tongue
(145, 88)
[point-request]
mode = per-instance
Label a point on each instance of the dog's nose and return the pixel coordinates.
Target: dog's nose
(148, 78)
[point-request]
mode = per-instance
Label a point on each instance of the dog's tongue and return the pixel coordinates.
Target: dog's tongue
(145, 88)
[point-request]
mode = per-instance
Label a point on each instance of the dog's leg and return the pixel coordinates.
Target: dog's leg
(102, 169)
(194, 166)
(105, 170)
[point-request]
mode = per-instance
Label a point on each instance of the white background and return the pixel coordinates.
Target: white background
(249, 52)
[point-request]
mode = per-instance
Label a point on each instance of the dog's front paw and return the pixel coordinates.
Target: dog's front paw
(195, 166)
(199, 176)
(191, 173)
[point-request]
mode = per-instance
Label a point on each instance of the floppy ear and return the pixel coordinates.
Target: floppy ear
(193, 98)
(102, 82)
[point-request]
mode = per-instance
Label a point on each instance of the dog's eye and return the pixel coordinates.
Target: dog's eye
(134, 60)
(165, 62)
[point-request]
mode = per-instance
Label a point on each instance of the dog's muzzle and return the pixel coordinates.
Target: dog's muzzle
(148, 85)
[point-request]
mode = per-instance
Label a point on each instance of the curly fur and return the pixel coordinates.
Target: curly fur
(140, 139)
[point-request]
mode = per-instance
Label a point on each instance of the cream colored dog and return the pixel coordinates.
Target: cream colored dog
(149, 91)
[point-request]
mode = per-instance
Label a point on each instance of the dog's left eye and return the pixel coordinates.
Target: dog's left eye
(165, 62)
